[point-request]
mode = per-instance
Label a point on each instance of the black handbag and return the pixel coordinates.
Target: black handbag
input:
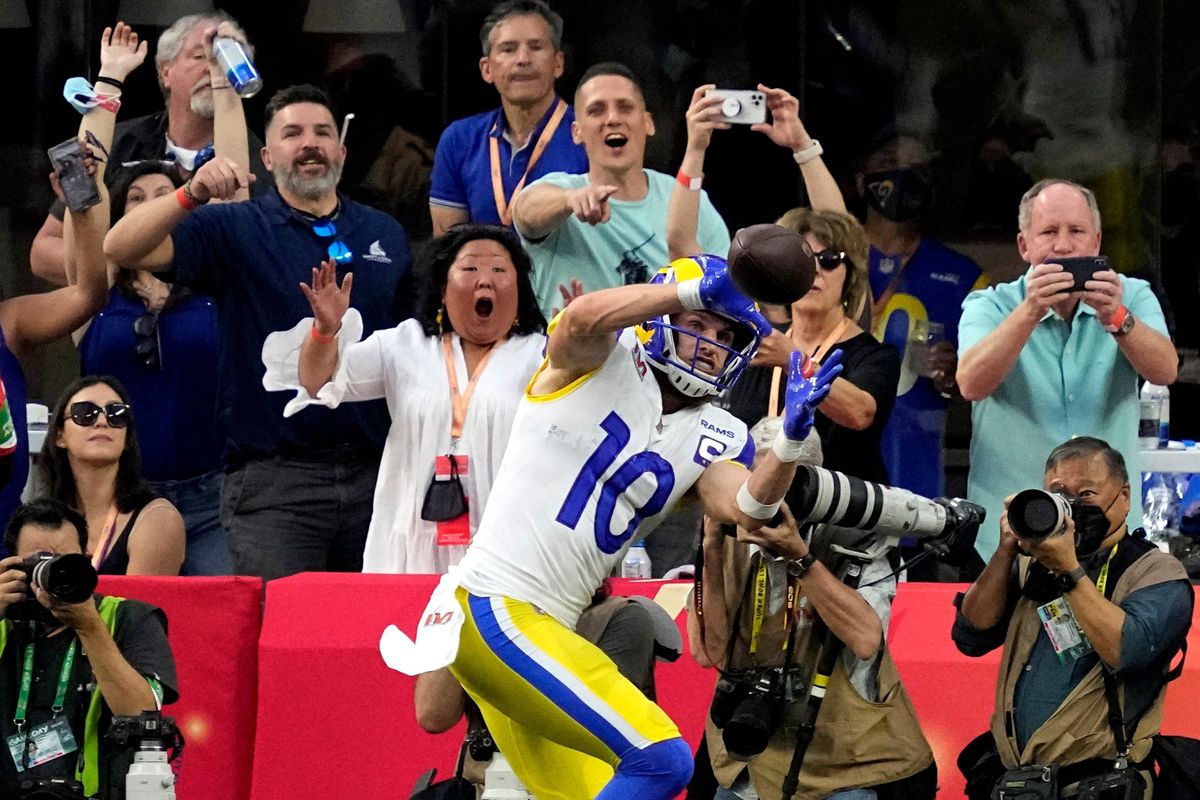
(445, 499)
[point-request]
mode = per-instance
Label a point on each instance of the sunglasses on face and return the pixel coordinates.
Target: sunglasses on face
(829, 260)
(337, 249)
(85, 413)
(148, 347)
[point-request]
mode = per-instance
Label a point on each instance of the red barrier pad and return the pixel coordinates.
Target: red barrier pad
(213, 626)
(954, 695)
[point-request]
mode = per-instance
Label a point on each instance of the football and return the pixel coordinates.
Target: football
(771, 264)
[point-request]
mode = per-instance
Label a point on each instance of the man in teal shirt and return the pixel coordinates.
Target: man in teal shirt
(607, 227)
(1044, 364)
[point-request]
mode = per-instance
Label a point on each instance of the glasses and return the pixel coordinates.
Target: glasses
(337, 249)
(829, 260)
(85, 413)
(149, 346)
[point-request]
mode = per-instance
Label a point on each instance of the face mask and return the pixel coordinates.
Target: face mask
(80, 94)
(1091, 526)
(898, 194)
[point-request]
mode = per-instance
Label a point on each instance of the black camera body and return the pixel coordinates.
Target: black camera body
(150, 730)
(748, 708)
(67, 578)
(52, 789)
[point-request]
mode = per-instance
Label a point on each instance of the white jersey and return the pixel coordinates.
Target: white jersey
(588, 470)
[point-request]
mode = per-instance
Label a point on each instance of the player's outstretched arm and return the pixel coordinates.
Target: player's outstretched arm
(728, 495)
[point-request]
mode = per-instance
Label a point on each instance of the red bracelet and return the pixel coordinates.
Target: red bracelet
(322, 338)
(688, 182)
(1118, 318)
(187, 202)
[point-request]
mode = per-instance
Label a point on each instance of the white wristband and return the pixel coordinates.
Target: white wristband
(807, 154)
(754, 509)
(689, 294)
(786, 449)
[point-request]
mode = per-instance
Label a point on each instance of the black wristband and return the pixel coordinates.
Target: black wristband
(111, 82)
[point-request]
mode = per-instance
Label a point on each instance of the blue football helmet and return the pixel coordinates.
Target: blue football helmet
(658, 336)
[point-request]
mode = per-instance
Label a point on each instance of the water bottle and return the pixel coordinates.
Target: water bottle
(637, 562)
(501, 783)
(237, 65)
(1150, 420)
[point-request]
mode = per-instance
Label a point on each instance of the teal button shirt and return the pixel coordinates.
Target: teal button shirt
(1070, 380)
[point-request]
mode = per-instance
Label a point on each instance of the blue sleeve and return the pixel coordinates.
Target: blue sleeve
(1155, 618)
(446, 183)
(1140, 300)
(982, 314)
(197, 241)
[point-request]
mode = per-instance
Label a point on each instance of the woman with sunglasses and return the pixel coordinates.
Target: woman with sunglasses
(91, 461)
(160, 340)
(452, 377)
(851, 419)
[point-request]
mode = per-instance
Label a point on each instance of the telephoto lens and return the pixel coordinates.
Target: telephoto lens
(68, 578)
(1035, 514)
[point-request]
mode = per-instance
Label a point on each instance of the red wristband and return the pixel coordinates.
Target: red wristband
(320, 337)
(1118, 318)
(688, 182)
(186, 201)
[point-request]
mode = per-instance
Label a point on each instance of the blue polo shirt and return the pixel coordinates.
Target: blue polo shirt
(462, 172)
(932, 288)
(251, 257)
(1069, 380)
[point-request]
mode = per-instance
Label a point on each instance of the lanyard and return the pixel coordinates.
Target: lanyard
(110, 525)
(504, 206)
(760, 606)
(1102, 580)
(459, 402)
(818, 354)
(60, 695)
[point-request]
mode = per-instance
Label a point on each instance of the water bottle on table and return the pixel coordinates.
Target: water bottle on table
(636, 563)
(1154, 420)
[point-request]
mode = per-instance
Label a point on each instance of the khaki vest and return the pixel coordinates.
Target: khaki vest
(1078, 729)
(856, 744)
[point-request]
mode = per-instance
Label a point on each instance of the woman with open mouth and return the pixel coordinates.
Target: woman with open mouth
(452, 377)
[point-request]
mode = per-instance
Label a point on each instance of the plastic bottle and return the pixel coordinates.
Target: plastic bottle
(1151, 425)
(237, 65)
(501, 783)
(636, 563)
(1160, 509)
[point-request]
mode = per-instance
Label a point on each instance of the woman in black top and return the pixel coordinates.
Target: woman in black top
(851, 420)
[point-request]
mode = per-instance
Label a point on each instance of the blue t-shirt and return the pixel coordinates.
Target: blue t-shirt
(932, 288)
(462, 172)
(14, 387)
(175, 402)
(251, 257)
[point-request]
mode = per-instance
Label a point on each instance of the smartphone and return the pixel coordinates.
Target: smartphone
(741, 106)
(1082, 268)
(79, 188)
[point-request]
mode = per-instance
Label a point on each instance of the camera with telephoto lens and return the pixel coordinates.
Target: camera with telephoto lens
(748, 708)
(67, 578)
(159, 742)
(1036, 514)
(52, 789)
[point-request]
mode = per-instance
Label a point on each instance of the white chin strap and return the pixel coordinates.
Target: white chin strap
(683, 381)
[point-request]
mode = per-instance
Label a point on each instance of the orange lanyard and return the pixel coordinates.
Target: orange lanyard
(459, 402)
(818, 354)
(110, 526)
(504, 206)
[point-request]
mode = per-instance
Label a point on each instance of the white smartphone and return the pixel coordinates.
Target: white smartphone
(741, 106)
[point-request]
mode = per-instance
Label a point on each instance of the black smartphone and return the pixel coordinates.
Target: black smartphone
(1082, 268)
(79, 188)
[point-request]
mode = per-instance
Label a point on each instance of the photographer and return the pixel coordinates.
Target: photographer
(67, 668)
(1131, 602)
(771, 652)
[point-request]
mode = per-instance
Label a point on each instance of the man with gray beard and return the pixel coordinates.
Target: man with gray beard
(297, 494)
(178, 133)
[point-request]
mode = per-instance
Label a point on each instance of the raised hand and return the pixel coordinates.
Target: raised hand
(569, 293)
(590, 203)
(329, 301)
(785, 128)
(225, 30)
(703, 117)
(806, 391)
(120, 52)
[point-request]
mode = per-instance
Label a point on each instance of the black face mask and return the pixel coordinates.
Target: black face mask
(898, 194)
(1091, 526)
